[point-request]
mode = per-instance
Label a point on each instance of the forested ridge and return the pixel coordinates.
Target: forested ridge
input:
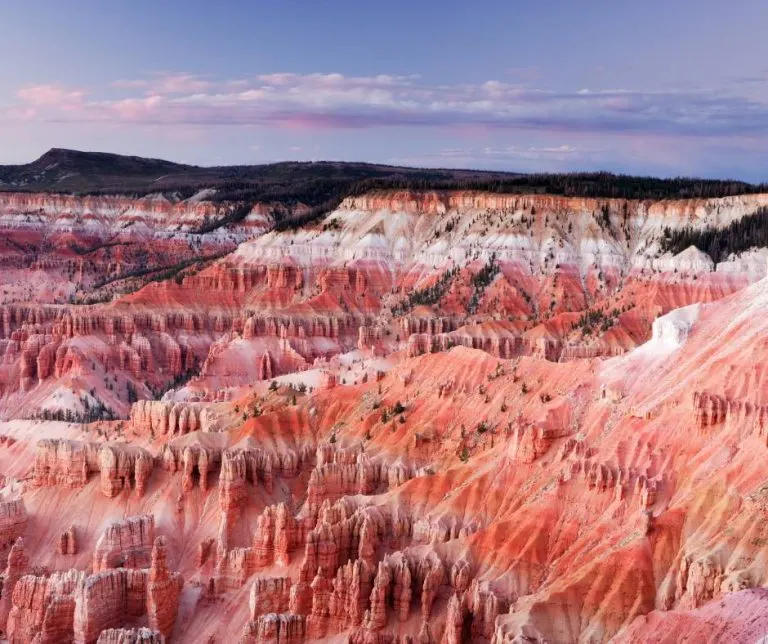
(311, 189)
(748, 232)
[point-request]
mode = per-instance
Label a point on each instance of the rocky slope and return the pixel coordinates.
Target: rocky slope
(429, 416)
(388, 272)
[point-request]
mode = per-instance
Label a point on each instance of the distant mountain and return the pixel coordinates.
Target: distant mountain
(62, 170)
(322, 184)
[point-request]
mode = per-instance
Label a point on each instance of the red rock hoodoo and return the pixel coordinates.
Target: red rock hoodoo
(423, 417)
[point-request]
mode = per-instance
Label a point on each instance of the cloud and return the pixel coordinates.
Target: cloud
(50, 96)
(129, 83)
(528, 156)
(335, 101)
(180, 84)
(750, 80)
(166, 83)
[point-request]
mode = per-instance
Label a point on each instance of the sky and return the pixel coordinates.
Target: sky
(664, 88)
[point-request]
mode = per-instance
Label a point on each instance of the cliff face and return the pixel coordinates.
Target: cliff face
(66, 463)
(61, 247)
(385, 271)
(13, 522)
(126, 544)
(85, 609)
(438, 417)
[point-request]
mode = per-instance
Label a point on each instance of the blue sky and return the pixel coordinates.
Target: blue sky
(656, 87)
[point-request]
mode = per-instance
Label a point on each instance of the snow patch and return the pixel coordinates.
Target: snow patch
(670, 331)
(691, 260)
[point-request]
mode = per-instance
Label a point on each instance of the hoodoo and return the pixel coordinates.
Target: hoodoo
(434, 408)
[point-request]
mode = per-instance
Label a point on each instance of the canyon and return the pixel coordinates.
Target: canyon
(421, 416)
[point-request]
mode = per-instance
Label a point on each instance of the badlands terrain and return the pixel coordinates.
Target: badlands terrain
(406, 413)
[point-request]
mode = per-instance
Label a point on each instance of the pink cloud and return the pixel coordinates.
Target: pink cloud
(336, 101)
(50, 95)
(179, 84)
(134, 109)
(129, 83)
(166, 83)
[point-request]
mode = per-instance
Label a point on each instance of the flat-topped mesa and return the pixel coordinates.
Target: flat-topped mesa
(432, 202)
(158, 418)
(163, 591)
(130, 636)
(275, 629)
(66, 463)
(126, 544)
(13, 522)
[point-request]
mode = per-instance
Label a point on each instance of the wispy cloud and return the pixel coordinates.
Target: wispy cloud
(507, 156)
(53, 96)
(166, 83)
(336, 101)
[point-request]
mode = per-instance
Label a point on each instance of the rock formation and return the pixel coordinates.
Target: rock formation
(163, 591)
(130, 636)
(74, 606)
(13, 522)
(18, 565)
(68, 542)
(269, 595)
(126, 544)
(69, 463)
(392, 424)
